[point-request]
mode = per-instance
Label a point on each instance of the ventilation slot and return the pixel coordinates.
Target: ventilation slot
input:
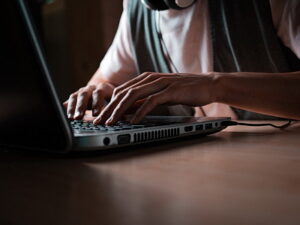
(155, 135)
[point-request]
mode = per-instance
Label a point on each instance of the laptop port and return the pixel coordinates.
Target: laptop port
(106, 141)
(199, 127)
(208, 126)
(188, 128)
(124, 139)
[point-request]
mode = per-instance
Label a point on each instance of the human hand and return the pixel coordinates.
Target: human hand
(153, 89)
(89, 97)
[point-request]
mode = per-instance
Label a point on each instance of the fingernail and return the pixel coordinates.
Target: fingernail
(109, 121)
(77, 114)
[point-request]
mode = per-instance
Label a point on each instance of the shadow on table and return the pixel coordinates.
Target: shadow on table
(112, 154)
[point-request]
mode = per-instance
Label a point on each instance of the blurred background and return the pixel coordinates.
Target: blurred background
(76, 35)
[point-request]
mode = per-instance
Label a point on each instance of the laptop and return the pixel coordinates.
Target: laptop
(32, 116)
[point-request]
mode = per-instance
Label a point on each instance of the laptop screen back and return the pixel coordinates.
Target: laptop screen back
(28, 115)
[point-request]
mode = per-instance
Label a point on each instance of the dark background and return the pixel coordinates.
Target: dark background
(76, 35)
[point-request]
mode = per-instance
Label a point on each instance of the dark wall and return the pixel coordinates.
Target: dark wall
(77, 35)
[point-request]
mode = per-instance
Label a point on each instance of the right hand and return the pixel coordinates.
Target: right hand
(90, 97)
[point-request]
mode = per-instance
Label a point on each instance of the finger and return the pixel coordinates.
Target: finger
(65, 104)
(142, 79)
(98, 101)
(150, 103)
(148, 79)
(110, 108)
(71, 105)
(83, 99)
(136, 94)
(130, 83)
(107, 111)
(135, 106)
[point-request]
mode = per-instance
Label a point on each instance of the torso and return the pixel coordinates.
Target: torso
(186, 34)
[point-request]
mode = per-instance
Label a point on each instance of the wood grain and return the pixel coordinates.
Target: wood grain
(239, 176)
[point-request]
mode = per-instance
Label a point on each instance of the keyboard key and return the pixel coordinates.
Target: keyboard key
(121, 125)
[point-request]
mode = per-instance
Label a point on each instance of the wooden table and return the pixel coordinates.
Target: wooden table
(239, 176)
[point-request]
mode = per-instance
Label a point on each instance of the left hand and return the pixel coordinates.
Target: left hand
(153, 89)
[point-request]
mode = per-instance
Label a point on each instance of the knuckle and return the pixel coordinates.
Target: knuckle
(83, 94)
(90, 86)
(120, 94)
(97, 102)
(80, 107)
(99, 86)
(146, 73)
(117, 96)
(73, 95)
(97, 91)
(116, 91)
(151, 100)
(153, 75)
(132, 92)
(86, 88)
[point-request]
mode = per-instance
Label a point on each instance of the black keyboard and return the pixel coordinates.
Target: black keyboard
(89, 126)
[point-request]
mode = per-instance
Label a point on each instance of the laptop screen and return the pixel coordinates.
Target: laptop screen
(28, 116)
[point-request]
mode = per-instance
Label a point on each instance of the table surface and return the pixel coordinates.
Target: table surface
(243, 175)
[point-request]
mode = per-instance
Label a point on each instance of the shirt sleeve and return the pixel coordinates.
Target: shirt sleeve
(118, 64)
(286, 17)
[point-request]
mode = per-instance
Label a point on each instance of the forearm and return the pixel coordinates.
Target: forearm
(276, 94)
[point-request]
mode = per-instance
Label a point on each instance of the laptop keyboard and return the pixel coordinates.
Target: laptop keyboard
(81, 125)
(122, 125)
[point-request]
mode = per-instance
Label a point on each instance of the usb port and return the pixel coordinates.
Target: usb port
(188, 128)
(208, 126)
(199, 127)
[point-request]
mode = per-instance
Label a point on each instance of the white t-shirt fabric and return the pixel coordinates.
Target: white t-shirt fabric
(186, 35)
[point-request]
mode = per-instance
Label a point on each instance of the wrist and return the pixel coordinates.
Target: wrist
(217, 90)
